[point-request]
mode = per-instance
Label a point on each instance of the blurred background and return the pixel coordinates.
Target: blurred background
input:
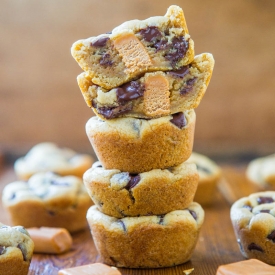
(40, 100)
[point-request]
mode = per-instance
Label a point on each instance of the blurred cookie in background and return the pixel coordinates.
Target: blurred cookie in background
(48, 199)
(261, 172)
(47, 156)
(209, 176)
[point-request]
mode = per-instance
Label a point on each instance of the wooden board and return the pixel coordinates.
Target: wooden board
(216, 244)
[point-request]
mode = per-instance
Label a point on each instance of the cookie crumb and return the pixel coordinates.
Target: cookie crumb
(188, 271)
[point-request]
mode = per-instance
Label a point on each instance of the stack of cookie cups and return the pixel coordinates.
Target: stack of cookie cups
(143, 83)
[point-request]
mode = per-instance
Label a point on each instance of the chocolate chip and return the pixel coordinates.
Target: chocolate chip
(150, 33)
(254, 246)
(179, 120)
(262, 200)
(21, 229)
(188, 86)
(23, 249)
(240, 245)
(12, 197)
(162, 45)
(100, 42)
(248, 207)
(161, 217)
(271, 236)
(193, 213)
(203, 169)
(179, 49)
(129, 91)
(4, 226)
(94, 104)
(2, 249)
(59, 183)
(180, 72)
(51, 213)
(134, 180)
(122, 224)
(113, 112)
(105, 60)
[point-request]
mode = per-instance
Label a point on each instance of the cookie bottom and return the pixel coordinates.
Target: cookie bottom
(36, 214)
(146, 241)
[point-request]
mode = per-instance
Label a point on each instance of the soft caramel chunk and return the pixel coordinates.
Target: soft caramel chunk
(133, 53)
(156, 95)
(50, 240)
(93, 269)
(248, 267)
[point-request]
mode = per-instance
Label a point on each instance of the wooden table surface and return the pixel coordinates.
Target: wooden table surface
(216, 244)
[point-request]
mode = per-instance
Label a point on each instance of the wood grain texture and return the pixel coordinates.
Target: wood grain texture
(40, 99)
(216, 244)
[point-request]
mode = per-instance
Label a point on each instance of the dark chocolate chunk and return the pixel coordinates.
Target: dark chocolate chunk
(12, 197)
(2, 249)
(134, 180)
(262, 200)
(248, 207)
(161, 217)
(59, 182)
(264, 211)
(271, 236)
(122, 224)
(150, 33)
(194, 214)
(51, 213)
(254, 246)
(178, 51)
(23, 249)
(105, 60)
(240, 245)
(21, 229)
(179, 120)
(113, 112)
(162, 45)
(100, 42)
(188, 86)
(4, 226)
(180, 72)
(203, 169)
(129, 91)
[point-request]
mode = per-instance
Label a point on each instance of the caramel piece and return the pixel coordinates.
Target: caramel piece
(50, 240)
(92, 269)
(248, 267)
(156, 95)
(133, 53)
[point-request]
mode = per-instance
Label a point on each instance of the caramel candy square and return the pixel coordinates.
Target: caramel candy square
(156, 95)
(247, 267)
(50, 240)
(133, 53)
(91, 269)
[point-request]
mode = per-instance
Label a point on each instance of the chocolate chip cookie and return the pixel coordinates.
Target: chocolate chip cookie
(16, 250)
(138, 145)
(146, 241)
(261, 172)
(155, 192)
(158, 43)
(47, 156)
(48, 199)
(153, 95)
(209, 176)
(253, 220)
